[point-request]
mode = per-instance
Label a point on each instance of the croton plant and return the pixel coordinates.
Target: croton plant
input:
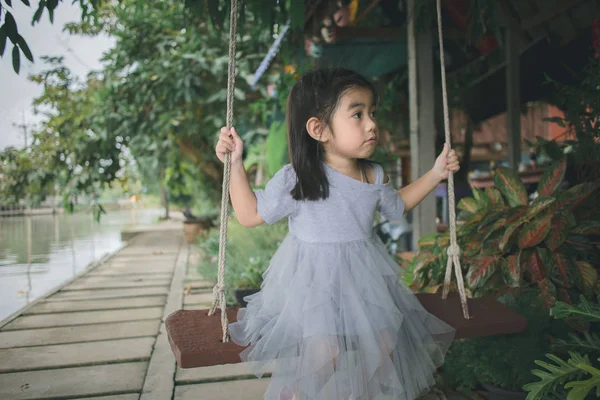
(507, 241)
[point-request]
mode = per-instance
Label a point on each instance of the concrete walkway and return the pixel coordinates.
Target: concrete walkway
(95, 336)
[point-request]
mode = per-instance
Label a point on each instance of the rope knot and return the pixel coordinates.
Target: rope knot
(219, 288)
(453, 250)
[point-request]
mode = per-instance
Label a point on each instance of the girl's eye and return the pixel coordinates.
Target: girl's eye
(372, 114)
(357, 115)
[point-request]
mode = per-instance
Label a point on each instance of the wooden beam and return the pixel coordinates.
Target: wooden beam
(548, 13)
(513, 95)
(422, 120)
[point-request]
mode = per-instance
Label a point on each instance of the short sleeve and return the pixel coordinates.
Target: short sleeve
(275, 201)
(391, 205)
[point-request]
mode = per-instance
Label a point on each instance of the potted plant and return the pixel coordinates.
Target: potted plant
(502, 364)
(507, 241)
(250, 281)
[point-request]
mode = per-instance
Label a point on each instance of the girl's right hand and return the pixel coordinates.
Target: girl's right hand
(230, 141)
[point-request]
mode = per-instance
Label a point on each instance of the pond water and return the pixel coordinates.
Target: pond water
(38, 253)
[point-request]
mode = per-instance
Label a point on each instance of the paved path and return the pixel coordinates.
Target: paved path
(95, 336)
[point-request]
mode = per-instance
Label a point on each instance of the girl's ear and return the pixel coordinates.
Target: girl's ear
(317, 130)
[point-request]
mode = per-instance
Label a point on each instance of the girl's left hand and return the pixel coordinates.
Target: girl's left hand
(446, 162)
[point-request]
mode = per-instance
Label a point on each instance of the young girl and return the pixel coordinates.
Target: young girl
(332, 320)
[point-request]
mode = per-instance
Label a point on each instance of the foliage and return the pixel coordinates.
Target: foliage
(581, 106)
(503, 360)
(579, 376)
(165, 91)
(507, 241)
(10, 31)
(248, 254)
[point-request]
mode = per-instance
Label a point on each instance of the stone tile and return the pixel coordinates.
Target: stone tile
(247, 390)
(114, 283)
(74, 355)
(90, 305)
(214, 373)
(134, 396)
(109, 293)
(80, 333)
(73, 382)
(83, 318)
(127, 274)
(200, 298)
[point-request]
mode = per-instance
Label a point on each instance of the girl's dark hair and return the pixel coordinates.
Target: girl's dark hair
(316, 94)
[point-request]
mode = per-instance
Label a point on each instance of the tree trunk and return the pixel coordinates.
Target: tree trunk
(164, 197)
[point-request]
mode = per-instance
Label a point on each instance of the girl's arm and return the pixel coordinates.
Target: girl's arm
(415, 192)
(243, 198)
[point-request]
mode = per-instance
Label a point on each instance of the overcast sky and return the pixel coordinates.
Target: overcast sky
(82, 54)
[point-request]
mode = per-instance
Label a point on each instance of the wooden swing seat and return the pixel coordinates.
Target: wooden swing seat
(196, 338)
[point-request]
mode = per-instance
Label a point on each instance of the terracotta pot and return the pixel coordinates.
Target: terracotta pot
(496, 393)
(192, 230)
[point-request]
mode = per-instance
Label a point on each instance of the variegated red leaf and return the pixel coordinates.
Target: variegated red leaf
(534, 232)
(547, 292)
(535, 267)
(509, 183)
(558, 232)
(481, 270)
(552, 178)
(588, 228)
(511, 270)
(562, 266)
(588, 274)
(469, 205)
(495, 196)
(540, 204)
(428, 240)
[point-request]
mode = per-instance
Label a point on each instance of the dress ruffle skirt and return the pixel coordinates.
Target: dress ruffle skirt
(333, 321)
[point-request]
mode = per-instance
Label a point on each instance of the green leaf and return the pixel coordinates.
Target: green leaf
(3, 37)
(583, 310)
(24, 48)
(276, 147)
(589, 227)
(552, 178)
(558, 232)
(534, 232)
(428, 240)
(552, 376)
(580, 389)
(38, 13)
(481, 198)
(538, 205)
(11, 27)
(511, 270)
(469, 205)
(16, 59)
(26, 2)
(588, 275)
(495, 196)
(509, 183)
(481, 270)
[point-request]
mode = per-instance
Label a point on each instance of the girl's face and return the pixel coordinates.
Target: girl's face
(352, 132)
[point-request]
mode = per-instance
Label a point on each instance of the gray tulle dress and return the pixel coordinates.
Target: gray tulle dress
(333, 321)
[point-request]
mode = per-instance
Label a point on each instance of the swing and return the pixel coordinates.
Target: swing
(197, 341)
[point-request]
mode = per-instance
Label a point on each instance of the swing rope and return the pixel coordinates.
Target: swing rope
(453, 249)
(219, 288)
